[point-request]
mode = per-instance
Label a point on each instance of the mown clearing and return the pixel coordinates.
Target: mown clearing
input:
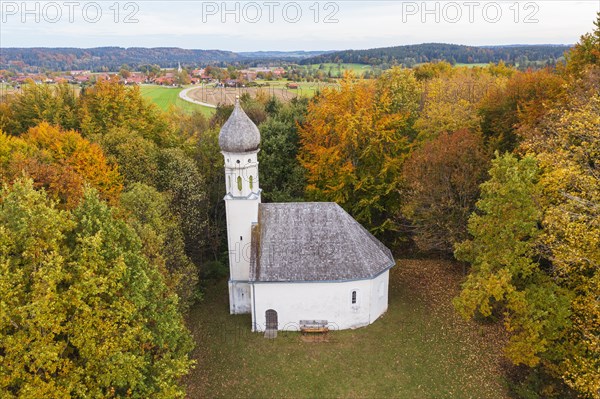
(419, 349)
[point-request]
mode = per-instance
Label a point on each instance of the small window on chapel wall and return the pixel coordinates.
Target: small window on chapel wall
(239, 183)
(250, 180)
(354, 297)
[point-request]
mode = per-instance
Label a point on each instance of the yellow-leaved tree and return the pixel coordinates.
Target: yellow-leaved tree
(354, 141)
(569, 156)
(83, 313)
(535, 251)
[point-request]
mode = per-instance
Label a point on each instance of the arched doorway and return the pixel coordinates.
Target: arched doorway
(271, 318)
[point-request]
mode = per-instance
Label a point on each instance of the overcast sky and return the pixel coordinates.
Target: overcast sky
(289, 25)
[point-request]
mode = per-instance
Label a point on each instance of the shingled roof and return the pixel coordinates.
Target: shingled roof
(313, 241)
(239, 134)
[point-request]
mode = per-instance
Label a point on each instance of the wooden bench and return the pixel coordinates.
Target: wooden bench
(313, 326)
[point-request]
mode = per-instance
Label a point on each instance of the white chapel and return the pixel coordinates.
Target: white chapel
(291, 262)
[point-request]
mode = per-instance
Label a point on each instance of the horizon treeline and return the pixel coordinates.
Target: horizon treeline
(105, 59)
(409, 55)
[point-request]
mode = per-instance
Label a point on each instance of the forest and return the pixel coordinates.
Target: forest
(102, 59)
(112, 219)
(453, 53)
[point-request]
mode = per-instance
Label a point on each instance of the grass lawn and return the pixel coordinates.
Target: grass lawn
(309, 89)
(419, 349)
(165, 97)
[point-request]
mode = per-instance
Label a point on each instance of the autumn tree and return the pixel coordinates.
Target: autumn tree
(567, 145)
(254, 107)
(188, 126)
(35, 104)
(442, 184)
(200, 142)
(209, 160)
(60, 161)
(534, 251)
(568, 150)
(124, 72)
(353, 143)
(222, 113)
(149, 213)
(136, 156)
(452, 99)
(182, 78)
(521, 103)
(170, 171)
(505, 276)
(109, 104)
(180, 179)
(164, 160)
(586, 52)
(84, 314)
(432, 70)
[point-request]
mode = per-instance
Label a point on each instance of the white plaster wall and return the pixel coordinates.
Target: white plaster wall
(239, 297)
(319, 301)
(379, 295)
(240, 216)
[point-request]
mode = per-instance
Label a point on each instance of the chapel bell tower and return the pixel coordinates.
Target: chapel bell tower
(239, 140)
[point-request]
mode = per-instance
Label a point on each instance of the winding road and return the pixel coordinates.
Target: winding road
(183, 95)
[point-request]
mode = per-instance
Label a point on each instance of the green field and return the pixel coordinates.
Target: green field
(419, 349)
(337, 70)
(165, 97)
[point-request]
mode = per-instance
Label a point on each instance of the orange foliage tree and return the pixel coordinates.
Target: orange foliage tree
(60, 161)
(525, 99)
(442, 185)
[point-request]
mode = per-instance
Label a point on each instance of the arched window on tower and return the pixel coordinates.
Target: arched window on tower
(250, 180)
(239, 183)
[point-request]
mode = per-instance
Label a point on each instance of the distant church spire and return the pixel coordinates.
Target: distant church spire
(179, 67)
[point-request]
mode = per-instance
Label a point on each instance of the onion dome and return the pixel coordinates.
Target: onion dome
(239, 133)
